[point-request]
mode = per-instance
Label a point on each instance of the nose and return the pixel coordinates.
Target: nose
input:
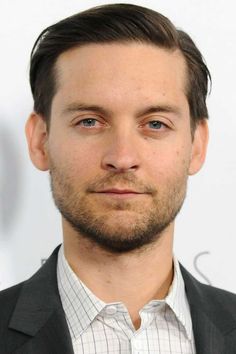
(121, 153)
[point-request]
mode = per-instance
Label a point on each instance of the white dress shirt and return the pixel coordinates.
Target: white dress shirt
(97, 327)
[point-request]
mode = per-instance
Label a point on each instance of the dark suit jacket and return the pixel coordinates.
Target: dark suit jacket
(32, 320)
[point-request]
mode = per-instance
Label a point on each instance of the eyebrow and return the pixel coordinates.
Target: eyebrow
(162, 108)
(165, 108)
(78, 107)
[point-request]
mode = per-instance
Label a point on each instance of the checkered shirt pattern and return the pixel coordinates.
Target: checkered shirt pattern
(100, 328)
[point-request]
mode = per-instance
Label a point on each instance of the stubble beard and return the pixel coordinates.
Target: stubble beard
(125, 226)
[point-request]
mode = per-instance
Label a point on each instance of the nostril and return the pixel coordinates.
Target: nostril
(110, 166)
(119, 160)
(120, 168)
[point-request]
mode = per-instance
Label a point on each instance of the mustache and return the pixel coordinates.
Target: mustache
(126, 180)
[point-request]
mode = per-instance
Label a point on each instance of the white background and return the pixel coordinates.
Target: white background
(29, 223)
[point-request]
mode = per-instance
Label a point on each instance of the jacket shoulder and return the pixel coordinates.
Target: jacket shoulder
(213, 299)
(223, 297)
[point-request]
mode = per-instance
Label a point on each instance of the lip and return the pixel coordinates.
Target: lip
(117, 193)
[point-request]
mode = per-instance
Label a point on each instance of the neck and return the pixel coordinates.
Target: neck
(119, 278)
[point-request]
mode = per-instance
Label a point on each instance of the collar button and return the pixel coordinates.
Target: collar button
(111, 310)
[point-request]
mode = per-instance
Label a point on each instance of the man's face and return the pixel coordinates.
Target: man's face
(120, 146)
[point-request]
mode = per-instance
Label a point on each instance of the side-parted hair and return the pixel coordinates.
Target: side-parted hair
(122, 23)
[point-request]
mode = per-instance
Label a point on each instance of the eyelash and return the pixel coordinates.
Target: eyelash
(86, 120)
(159, 123)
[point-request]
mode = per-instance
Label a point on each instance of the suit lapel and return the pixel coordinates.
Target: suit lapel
(208, 338)
(211, 322)
(39, 315)
(53, 338)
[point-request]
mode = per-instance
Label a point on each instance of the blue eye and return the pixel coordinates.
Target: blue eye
(155, 124)
(89, 122)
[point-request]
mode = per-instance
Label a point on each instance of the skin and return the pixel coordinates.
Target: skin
(120, 148)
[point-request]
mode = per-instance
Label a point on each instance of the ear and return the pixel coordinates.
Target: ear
(37, 136)
(199, 147)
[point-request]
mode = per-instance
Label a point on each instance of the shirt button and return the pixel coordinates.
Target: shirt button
(136, 345)
(111, 310)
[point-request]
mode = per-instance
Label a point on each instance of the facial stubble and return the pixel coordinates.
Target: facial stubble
(120, 226)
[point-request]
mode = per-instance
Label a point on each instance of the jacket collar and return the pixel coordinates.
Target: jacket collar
(210, 324)
(39, 314)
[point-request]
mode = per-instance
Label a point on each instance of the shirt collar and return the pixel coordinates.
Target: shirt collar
(177, 300)
(81, 306)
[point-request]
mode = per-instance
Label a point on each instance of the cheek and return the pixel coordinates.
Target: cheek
(168, 163)
(75, 160)
(183, 157)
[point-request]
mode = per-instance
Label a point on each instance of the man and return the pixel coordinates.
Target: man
(120, 122)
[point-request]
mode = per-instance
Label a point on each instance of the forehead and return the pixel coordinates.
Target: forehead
(124, 71)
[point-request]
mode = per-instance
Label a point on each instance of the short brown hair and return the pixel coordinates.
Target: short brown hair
(115, 23)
